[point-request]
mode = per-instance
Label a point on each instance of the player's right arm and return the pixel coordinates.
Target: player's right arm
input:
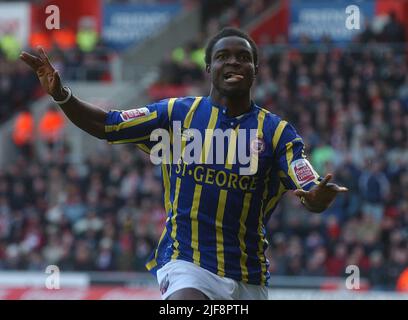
(86, 116)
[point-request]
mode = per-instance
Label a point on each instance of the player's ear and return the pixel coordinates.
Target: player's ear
(207, 68)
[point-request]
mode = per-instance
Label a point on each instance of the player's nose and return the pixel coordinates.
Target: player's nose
(232, 60)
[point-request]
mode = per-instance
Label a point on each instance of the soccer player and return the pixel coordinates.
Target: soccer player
(213, 243)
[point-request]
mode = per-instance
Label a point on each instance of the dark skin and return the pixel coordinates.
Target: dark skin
(232, 55)
(84, 115)
(188, 294)
(232, 70)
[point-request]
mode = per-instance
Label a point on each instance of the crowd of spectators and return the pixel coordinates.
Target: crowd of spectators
(105, 214)
(350, 107)
(77, 56)
(14, 92)
(181, 71)
(19, 85)
(82, 55)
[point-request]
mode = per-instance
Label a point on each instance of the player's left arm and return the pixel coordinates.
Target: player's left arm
(315, 193)
(320, 196)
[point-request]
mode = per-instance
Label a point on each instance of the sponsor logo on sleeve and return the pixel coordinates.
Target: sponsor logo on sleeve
(134, 113)
(303, 171)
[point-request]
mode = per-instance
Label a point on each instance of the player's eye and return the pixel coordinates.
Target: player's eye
(221, 56)
(245, 58)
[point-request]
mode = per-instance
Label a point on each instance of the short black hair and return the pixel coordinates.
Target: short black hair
(230, 32)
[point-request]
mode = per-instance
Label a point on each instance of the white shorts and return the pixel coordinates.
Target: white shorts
(180, 274)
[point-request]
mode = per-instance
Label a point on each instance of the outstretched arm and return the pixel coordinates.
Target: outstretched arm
(321, 196)
(84, 115)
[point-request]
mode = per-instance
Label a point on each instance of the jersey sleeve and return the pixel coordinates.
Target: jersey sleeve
(297, 172)
(136, 125)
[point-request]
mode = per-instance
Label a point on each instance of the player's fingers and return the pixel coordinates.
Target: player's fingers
(56, 82)
(27, 60)
(340, 189)
(33, 61)
(28, 56)
(43, 56)
(336, 188)
(326, 179)
(300, 192)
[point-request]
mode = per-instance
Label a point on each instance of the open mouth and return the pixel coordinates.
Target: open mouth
(231, 77)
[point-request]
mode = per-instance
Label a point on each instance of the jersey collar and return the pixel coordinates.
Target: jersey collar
(223, 110)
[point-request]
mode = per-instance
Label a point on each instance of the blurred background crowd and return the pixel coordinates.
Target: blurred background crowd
(349, 103)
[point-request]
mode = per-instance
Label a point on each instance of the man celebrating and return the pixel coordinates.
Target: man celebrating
(213, 243)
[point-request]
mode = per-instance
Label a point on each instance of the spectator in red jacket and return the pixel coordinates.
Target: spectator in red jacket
(23, 132)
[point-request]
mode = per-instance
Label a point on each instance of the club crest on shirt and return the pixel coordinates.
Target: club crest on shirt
(134, 113)
(303, 171)
(258, 145)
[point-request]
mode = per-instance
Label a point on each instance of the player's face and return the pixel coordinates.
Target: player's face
(232, 66)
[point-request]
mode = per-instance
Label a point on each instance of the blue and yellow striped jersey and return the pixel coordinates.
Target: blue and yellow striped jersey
(216, 215)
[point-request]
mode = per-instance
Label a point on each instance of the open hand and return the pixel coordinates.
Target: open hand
(48, 76)
(321, 196)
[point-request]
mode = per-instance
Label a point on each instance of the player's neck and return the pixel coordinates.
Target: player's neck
(235, 105)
